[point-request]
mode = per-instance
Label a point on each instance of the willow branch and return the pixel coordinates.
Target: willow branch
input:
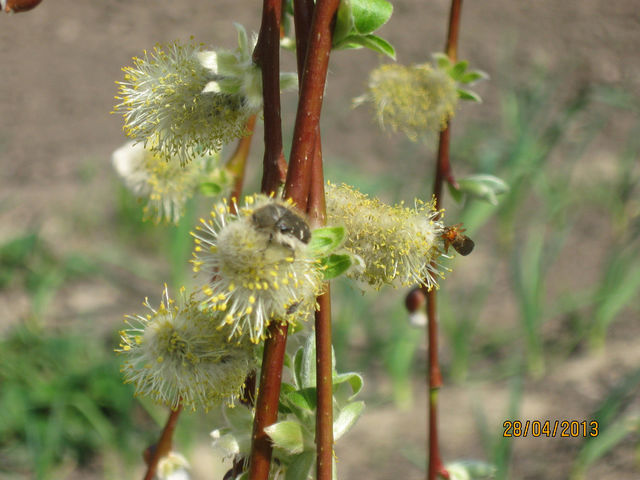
(302, 16)
(267, 56)
(310, 104)
(443, 172)
(163, 447)
(238, 161)
(324, 368)
(267, 401)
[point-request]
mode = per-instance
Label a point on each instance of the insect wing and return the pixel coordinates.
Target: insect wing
(463, 245)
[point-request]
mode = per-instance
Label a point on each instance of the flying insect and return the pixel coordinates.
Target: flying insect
(453, 237)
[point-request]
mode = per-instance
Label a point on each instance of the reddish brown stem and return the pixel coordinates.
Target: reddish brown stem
(310, 105)
(324, 383)
(324, 370)
(267, 401)
(302, 16)
(267, 56)
(163, 447)
(238, 161)
(443, 173)
(303, 11)
(297, 188)
(435, 467)
(316, 207)
(443, 166)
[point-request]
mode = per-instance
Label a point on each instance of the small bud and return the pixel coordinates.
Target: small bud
(173, 467)
(148, 453)
(16, 6)
(415, 303)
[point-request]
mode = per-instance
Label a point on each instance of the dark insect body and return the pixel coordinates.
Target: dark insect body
(281, 222)
(453, 237)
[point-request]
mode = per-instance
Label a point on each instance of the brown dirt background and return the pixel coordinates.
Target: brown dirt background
(58, 65)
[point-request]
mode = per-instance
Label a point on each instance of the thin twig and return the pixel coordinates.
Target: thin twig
(324, 368)
(303, 12)
(310, 104)
(443, 173)
(302, 16)
(267, 401)
(267, 55)
(238, 161)
(163, 447)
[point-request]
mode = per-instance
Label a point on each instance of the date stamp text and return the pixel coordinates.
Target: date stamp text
(550, 428)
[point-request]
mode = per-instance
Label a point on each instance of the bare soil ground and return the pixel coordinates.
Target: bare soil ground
(58, 65)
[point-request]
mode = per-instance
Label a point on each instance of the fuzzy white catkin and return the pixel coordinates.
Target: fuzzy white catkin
(398, 245)
(253, 277)
(176, 355)
(165, 105)
(417, 100)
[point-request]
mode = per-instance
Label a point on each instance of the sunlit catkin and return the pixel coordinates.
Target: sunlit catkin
(417, 100)
(258, 266)
(163, 184)
(398, 245)
(175, 355)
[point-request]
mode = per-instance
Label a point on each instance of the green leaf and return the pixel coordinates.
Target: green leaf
(210, 189)
(347, 418)
(304, 399)
(239, 418)
(371, 42)
(456, 194)
(288, 81)
(326, 239)
(369, 15)
(335, 265)
(473, 76)
(287, 435)
(458, 70)
(230, 85)
(354, 380)
(442, 60)
(288, 361)
(243, 38)
(297, 367)
(344, 22)
(300, 466)
(469, 95)
(227, 64)
(286, 389)
(483, 187)
(308, 367)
